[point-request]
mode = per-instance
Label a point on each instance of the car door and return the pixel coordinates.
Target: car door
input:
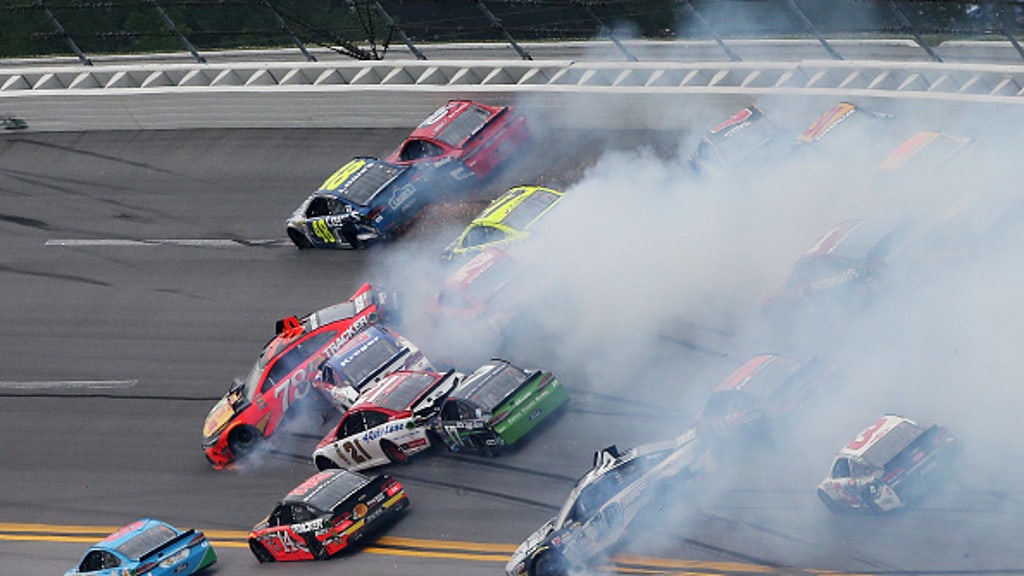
(351, 449)
(458, 422)
(278, 537)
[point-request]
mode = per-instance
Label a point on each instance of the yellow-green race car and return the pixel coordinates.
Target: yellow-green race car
(508, 219)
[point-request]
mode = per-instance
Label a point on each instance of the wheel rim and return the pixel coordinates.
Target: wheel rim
(394, 454)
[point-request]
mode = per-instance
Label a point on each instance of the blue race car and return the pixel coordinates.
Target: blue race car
(365, 200)
(149, 547)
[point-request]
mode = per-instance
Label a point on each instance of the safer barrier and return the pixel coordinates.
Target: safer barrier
(399, 93)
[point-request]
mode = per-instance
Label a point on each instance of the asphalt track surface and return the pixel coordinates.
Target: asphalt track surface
(113, 354)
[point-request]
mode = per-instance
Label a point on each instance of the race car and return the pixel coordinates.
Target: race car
(926, 152)
(619, 487)
(326, 514)
(364, 201)
(475, 293)
(891, 463)
(844, 129)
(762, 390)
(368, 357)
(496, 405)
(388, 424)
(840, 274)
(746, 137)
(464, 139)
(281, 377)
(148, 546)
(509, 218)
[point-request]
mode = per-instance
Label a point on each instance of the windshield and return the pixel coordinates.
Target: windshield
(489, 281)
(489, 385)
(350, 367)
(464, 125)
(404, 393)
(364, 186)
(523, 215)
(147, 540)
(327, 491)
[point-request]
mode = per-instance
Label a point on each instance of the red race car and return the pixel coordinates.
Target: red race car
(325, 514)
(464, 138)
(254, 407)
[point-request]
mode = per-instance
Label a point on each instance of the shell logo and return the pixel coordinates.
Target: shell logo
(359, 511)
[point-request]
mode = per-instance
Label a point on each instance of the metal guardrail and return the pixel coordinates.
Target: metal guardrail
(338, 94)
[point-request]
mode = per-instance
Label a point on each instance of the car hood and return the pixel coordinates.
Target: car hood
(531, 543)
(218, 418)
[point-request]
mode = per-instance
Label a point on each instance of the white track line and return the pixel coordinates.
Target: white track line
(204, 242)
(66, 384)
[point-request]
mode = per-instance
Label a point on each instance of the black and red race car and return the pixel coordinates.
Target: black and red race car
(326, 514)
(763, 390)
(464, 139)
(841, 273)
(282, 376)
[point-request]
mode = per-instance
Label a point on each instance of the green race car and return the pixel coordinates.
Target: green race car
(496, 406)
(507, 219)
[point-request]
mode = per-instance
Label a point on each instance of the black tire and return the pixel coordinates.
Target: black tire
(243, 440)
(829, 503)
(300, 241)
(548, 563)
(260, 552)
(394, 453)
(325, 463)
(350, 233)
(483, 449)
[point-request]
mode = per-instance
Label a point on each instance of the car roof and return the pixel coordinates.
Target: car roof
(882, 440)
(395, 384)
(477, 266)
(491, 383)
(750, 370)
(509, 202)
(939, 145)
(136, 540)
(360, 180)
(824, 123)
(450, 123)
(326, 489)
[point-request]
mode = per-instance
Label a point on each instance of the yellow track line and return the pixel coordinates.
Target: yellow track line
(413, 547)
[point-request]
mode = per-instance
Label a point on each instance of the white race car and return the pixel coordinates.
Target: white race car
(388, 424)
(890, 462)
(619, 487)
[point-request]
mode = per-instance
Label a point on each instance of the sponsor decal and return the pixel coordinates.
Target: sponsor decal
(360, 510)
(310, 526)
(401, 195)
(382, 431)
(435, 117)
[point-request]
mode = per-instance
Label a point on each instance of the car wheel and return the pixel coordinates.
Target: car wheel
(300, 241)
(260, 552)
(324, 463)
(483, 449)
(829, 503)
(243, 440)
(351, 235)
(394, 453)
(549, 563)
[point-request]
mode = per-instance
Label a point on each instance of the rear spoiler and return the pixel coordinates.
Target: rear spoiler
(437, 394)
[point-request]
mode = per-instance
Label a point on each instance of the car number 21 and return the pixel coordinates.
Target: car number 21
(355, 451)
